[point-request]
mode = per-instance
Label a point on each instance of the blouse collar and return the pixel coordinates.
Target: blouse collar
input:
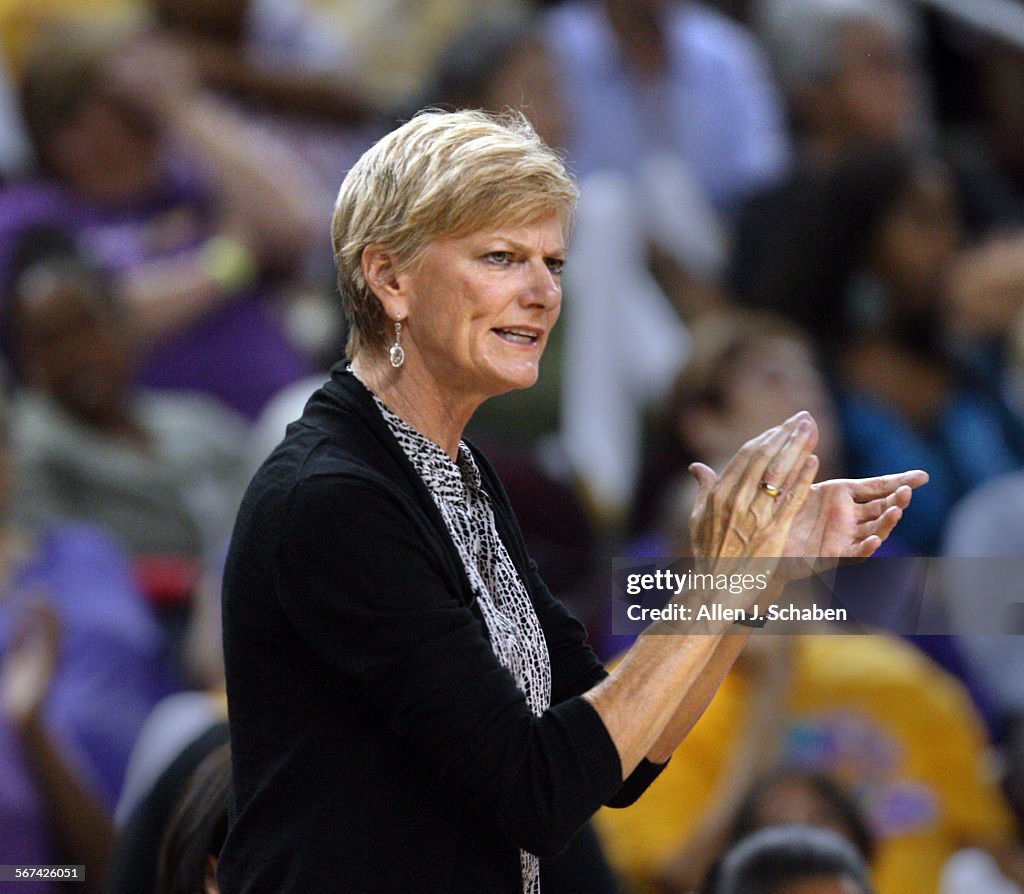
(455, 481)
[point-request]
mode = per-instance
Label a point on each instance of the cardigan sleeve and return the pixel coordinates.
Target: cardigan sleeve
(575, 669)
(360, 582)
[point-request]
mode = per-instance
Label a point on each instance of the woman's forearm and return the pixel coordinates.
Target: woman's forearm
(81, 829)
(260, 182)
(658, 691)
(168, 294)
(665, 682)
(324, 95)
(698, 696)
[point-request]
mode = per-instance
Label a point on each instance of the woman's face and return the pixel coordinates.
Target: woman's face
(103, 154)
(872, 90)
(479, 309)
(917, 242)
(73, 346)
(773, 380)
(794, 800)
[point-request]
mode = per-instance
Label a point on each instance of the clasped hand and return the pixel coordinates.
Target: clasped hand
(766, 504)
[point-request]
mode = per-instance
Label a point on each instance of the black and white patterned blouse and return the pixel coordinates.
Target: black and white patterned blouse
(516, 635)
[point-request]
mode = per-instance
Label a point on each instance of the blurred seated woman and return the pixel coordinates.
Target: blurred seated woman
(161, 470)
(759, 789)
(746, 368)
(197, 222)
(80, 670)
(868, 255)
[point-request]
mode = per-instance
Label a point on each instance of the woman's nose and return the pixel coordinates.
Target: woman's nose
(545, 286)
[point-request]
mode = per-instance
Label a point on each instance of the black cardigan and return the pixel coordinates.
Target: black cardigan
(377, 743)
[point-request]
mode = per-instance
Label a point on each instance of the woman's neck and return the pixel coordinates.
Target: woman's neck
(415, 396)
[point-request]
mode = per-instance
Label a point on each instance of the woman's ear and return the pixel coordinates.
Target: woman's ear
(381, 275)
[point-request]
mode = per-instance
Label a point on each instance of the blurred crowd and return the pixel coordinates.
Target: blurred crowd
(785, 205)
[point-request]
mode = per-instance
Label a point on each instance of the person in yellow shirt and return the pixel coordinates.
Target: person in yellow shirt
(871, 712)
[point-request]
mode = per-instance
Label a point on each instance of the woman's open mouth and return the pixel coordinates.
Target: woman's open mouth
(518, 336)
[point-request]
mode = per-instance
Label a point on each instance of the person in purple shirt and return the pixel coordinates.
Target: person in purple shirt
(80, 669)
(197, 221)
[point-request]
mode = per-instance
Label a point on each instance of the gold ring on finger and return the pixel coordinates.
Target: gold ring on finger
(770, 489)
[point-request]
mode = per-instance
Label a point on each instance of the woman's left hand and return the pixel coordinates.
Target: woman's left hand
(849, 518)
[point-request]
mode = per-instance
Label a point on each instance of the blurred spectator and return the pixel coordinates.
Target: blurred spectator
(81, 831)
(792, 860)
(753, 793)
(79, 670)
(795, 796)
(987, 154)
(984, 542)
(178, 734)
(665, 77)
(396, 45)
(278, 65)
(136, 861)
(192, 217)
(197, 829)
(747, 371)
(866, 254)
(870, 712)
(163, 470)
(847, 69)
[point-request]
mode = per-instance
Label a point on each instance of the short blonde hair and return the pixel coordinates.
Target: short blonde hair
(439, 175)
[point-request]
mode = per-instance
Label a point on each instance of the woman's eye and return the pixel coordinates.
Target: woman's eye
(555, 265)
(500, 257)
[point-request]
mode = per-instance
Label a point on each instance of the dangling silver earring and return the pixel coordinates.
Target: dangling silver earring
(396, 354)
